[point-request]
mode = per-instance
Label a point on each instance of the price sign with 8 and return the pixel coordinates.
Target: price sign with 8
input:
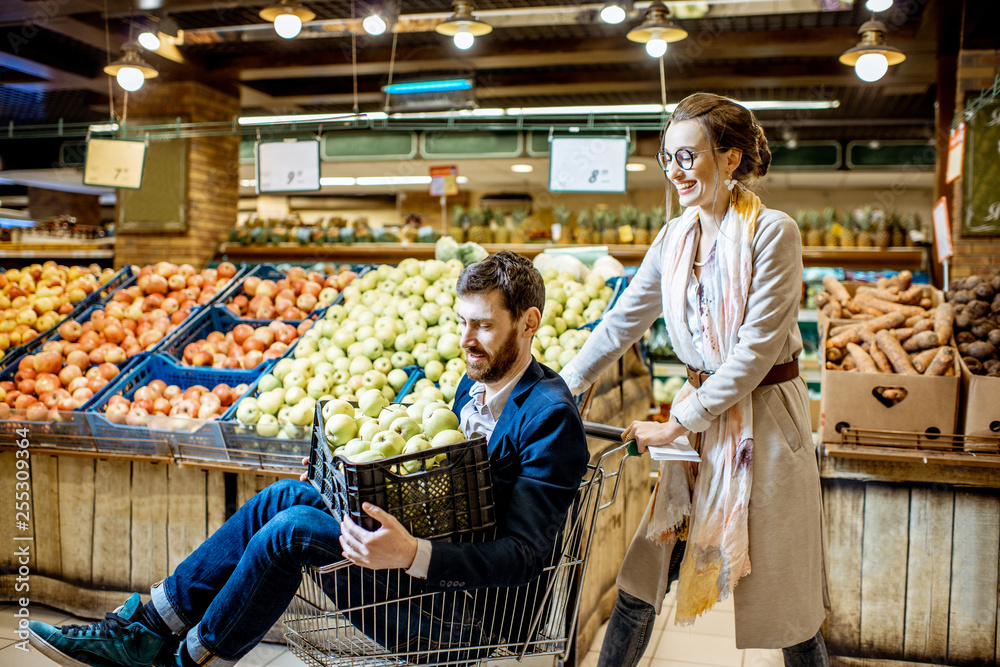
(588, 164)
(287, 166)
(114, 163)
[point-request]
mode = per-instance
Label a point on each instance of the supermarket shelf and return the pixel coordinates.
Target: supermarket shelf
(56, 251)
(810, 371)
(850, 258)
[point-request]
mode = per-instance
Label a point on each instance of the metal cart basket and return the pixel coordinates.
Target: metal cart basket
(344, 615)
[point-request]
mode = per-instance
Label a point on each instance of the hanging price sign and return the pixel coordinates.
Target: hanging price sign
(588, 164)
(956, 153)
(114, 163)
(287, 166)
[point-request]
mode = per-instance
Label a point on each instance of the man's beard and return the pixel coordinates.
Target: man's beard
(495, 366)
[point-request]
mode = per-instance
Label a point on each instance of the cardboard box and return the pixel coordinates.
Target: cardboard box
(853, 399)
(980, 410)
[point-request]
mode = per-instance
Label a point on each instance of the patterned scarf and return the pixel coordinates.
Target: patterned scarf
(709, 501)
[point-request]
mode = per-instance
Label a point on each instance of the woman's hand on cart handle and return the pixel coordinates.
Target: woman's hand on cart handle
(646, 434)
(389, 547)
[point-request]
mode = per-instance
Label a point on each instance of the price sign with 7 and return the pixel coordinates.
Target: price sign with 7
(114, 163)
(287, 166)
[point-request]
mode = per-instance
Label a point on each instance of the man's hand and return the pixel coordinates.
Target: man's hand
(304, 477)
(652, 434)
(391, 546)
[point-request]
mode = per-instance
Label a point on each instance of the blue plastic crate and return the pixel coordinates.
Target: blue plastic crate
(186, 438)
(207, 320)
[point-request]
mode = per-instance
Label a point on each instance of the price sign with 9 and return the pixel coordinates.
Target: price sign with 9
(287, 166)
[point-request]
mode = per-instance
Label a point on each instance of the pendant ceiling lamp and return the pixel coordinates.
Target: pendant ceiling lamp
(871, 57)
(287, 17)
(657, 30)
(462, 25)
(131, 70)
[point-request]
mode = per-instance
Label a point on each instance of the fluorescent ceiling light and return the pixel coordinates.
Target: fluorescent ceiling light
(348, 181)
(336, 180)
(440, 85)
(298, 118)
(635, 166)
(106, 127)
(586, 110)
(790, 105)
(522, 168)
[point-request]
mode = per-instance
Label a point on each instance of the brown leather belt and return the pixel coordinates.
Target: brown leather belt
(778, 373)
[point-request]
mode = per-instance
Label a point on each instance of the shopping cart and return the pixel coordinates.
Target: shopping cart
(344, 615)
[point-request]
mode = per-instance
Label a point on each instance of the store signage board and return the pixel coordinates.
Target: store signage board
(942, 230)
(956, 153)
(287, 166)
(444, 181)
(588, 164)
(114, 163)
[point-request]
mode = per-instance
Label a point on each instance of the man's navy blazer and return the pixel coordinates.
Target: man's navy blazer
(538, 456)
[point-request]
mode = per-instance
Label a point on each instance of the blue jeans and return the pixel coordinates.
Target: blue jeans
(631, 627)
(236, 585)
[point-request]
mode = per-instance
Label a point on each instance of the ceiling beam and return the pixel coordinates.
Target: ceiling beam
(54, 78)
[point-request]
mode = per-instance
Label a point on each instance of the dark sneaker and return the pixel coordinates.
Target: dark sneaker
(117, 641)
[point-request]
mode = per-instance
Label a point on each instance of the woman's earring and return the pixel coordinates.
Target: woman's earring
(730, 183)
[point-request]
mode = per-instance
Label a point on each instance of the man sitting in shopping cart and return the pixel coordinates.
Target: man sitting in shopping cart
(224, 597)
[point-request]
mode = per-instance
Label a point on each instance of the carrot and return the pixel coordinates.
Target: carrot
(911, 296)
(886, 306)
(913, 319)
(836, 289)
(887, 321)
(922, 360)
(878, 293)
(862, 360)
(883, 283)
(923, 325)
(834, 354)
(879, 358)
(943, 363)
(863, 316)
(921, 341)
(822, 299)
(894, 352)
(944, 322)
(903, 279)
(836, 312)
(903, 333)
(840, 340)
(848, 364)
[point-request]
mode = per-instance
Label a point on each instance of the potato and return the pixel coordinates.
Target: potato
(965, 337)
(963, 296)
(994, 337)
(979, 308)
(975, 366)
(984, 291)
(995, 282)
(981, 350)
(981, 329)
(956, 284)
(992, 366)
(995, 306)
(972, 281)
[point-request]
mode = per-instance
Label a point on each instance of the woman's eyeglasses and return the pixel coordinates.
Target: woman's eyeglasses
(684, 157)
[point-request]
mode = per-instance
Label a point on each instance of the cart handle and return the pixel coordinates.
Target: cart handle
(612, 433)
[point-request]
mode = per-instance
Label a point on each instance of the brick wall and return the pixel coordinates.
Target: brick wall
(973, 255)
(212, 176)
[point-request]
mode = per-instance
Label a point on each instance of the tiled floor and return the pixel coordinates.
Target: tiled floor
(710, 641)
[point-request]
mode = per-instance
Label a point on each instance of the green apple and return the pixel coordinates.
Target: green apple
(269, 402)
(433, 370)
(355, 446)
(333, 353)
(294, 379)
(389, 393)
(337, 407)
(371, 402)
(449, 346)
(396, 378)
(284, 414)
(406, 427)
(343, 338)
(403, 342)
(448, 392)
(388, 443)
(451, 378)
(433, 393)
(447, 437)
(281, 369)
(430, 312)
(572, 320)
(268, 426)
(368, 430)
(361, 365)
(248, 412)
(341, 429)
(560, 324)
(336, 313)
(566, 357)
(439, 420)
(373, 379)
(410, 266)
(342, 391)
(304, 367)
(546, 331)
(267, 383)
(366, 457)
(389, 414)
(552, 353)
(294, 394)
(383, 364)
(301, 414)
(355, 383)
(317, 387)
(431, 406)
(416, 409)
(372, 347)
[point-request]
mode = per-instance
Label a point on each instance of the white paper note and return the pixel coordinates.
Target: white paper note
(679, 450)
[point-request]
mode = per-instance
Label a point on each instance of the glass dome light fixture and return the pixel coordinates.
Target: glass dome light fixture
(374, 25)
(657, 28)
(287, 17)
(878, 5)
(131, 70)
(462, 25)
(613, 13)
(872, 44)
(149, 40)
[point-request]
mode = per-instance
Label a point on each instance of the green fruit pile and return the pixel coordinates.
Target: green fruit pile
(570, 304)
(377, 430)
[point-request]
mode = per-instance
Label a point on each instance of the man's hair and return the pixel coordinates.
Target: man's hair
(514, 276)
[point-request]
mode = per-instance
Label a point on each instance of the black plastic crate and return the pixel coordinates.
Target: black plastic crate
(454, 497)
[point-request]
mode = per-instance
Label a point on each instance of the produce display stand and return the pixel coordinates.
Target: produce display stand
(913, 537)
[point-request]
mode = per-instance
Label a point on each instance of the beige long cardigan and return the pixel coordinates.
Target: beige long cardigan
(783, 600)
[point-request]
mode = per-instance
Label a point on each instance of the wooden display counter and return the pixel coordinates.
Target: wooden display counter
(848, 258)
(913, 555)
(101, 528)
